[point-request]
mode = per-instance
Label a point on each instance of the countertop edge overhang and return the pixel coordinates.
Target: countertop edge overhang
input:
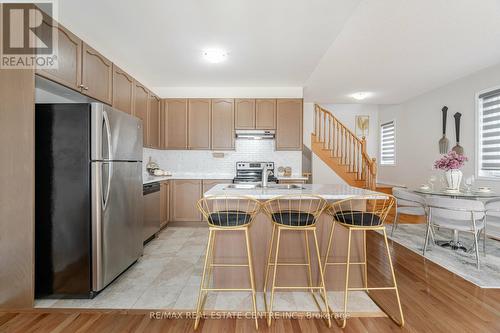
(326, 191)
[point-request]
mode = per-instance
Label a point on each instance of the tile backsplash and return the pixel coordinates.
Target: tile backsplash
(201, 161)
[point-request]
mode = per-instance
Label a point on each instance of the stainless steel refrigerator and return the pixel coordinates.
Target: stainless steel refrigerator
(88, 201)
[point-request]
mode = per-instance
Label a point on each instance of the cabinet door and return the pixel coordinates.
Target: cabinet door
(123, 90)
(209, 183)
(141, 105)
(69, 59)
(185, 194)
(222, 124)
(245, 114)
(289, 124)
(199, 124)
(154, 121)
(265, 114)
(97, 75)
(175, 123)
(164, 202)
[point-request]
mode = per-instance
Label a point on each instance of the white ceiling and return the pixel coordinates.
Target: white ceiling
(399, 49)
(395, 48)
(270, 43)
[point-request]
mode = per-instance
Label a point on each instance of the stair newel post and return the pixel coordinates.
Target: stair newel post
(374, 173)
(364, 162)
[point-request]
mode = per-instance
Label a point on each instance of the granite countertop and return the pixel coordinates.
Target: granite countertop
(328, 192)
(152, 179)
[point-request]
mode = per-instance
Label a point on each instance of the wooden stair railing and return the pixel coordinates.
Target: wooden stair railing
(342, 150)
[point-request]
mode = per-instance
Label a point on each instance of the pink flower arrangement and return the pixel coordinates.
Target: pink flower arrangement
(450, 161)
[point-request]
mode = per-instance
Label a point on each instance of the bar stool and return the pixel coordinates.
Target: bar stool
(298, 213)
(226, 214)
(362, 213)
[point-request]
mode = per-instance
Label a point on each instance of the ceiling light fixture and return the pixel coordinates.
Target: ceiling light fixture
(214, 56)
(361, 95)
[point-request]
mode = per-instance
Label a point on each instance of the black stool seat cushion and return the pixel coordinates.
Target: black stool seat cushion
(293, 218)
(358, 218)
(229, 218)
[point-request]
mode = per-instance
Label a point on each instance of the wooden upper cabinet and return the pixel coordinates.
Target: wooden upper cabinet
(185, 193)
(245, 114)
(97, 75)
(222, 124)
(199, 124)
(175, 123)
(123, 90)
(141, 105)
(265, 114)
(289, 124)
(69, 59)
(154, 123)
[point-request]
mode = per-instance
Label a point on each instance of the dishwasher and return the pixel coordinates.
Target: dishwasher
(152, 219)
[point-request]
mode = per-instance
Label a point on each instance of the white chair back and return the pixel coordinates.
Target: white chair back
(408, 198)
(493, 209)
(456, 209)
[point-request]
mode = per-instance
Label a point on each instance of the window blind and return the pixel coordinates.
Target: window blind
(489, 131)
(387, 143)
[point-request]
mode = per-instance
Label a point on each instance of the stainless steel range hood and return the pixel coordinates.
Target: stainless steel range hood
(255, 134)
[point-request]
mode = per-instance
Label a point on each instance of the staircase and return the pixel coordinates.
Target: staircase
(342, 150)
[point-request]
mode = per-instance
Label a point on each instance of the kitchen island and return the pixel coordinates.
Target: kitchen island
(230, 246)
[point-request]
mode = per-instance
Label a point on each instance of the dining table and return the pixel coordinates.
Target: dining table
(471, 194)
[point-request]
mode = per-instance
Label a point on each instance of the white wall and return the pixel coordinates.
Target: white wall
(202, 161)
(418, 128)
(323, 174)
(347, 113)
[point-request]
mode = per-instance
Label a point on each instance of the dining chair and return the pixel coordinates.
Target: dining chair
(407, 203)
(492, 216)
(461, 215)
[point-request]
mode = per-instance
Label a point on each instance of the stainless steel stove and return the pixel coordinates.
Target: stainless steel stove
(251, 172)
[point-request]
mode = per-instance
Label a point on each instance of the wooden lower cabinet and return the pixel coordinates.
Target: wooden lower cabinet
(164, 203)
(185, 194)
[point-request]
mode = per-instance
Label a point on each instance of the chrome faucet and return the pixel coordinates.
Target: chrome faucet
(265, 174)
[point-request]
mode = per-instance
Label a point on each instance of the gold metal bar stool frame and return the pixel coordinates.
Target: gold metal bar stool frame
(226, 214)
(297, 213)
(376, 208)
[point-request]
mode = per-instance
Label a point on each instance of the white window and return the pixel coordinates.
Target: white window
(388, 143)
(488, 134)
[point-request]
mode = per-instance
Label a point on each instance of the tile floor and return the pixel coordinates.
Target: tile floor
(168, 276)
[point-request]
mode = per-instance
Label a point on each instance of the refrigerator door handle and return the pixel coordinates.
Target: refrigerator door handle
(108, 135)
(105, 197)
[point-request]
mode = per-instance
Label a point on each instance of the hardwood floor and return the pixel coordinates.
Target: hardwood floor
(434, 300)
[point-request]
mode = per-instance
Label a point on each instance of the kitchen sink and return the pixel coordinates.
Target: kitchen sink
(269, 186)
(242, 186)
(286, 187)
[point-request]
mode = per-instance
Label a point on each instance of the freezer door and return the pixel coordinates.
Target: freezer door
(116, 219)
(115, 135)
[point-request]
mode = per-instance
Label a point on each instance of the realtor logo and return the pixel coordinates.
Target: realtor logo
(29, 35)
